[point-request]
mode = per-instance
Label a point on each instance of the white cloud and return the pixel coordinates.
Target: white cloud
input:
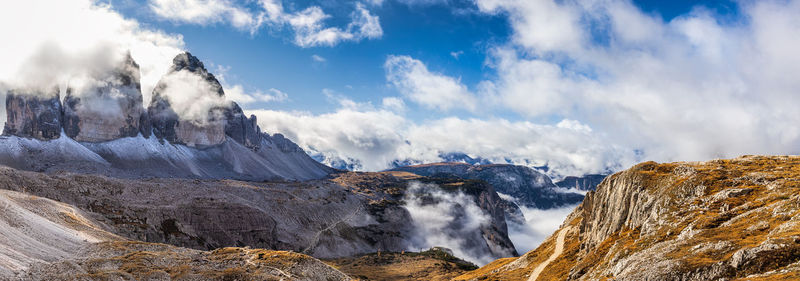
(236, 92)
(394, 104)
(539, 224)
(318, 58)
(205, 12)
(307, 25)
(430, 89)
(375, 138)
(449, 220)
(456, 54)
(692, 88)
(71, 42)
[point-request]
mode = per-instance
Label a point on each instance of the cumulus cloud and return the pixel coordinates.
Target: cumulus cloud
(75, 42)
(449, 220)
(375, 138)
(205, 12)
(237, 93)
(308, 25)
(695, 87)
(433, 90)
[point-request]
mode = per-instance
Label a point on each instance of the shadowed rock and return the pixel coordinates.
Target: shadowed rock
(33, 114)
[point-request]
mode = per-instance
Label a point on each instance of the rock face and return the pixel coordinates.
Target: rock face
(109, 111)
(529, 187)
(208, 128)
(586, 183)
(33, 114)
(716, 220)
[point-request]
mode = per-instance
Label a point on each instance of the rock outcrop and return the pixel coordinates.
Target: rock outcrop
(716, 220)
(33, 114)
(108, 111)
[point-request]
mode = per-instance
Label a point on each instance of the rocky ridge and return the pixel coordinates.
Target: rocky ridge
(731, 219)
(109, 119)
(47, 240)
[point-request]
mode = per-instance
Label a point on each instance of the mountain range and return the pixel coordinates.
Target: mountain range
(106, 129)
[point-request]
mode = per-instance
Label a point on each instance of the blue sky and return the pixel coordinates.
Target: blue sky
(579, 86)
(428, 32)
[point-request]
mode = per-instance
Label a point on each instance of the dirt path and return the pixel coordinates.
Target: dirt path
(559, 249)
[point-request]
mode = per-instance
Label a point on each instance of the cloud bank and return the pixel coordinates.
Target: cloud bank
(447, 220)
(307, 25)
(699, 86)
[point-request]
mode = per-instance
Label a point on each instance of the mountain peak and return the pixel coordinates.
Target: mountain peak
(187, 61)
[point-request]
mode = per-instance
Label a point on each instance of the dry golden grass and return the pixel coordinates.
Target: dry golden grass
(401, 266)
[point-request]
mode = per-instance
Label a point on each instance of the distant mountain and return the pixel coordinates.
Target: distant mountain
(585, 183)
(106, 129)
(530, 187)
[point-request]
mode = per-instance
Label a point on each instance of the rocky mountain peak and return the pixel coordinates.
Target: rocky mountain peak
(187, 62)
(111, 110)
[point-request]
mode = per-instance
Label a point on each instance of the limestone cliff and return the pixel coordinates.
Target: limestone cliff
(108, 111)
(716, 220)
(33, 114)
(206, 129)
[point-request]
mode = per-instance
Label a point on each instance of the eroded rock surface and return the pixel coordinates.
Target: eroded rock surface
(108, 111)
(33, 114)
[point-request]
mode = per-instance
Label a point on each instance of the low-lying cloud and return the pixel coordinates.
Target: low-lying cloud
(539, 224)
(376, 137)
(450, 220)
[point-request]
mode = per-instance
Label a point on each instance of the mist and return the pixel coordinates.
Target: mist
(449, 220)
(75, 44)
(539, 224)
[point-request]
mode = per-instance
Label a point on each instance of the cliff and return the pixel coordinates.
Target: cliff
(722, 219)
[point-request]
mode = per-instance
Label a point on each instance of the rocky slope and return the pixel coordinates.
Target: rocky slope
(350, 214)
(735, 219)
(107, 130)
(41, 239)
(527, 186)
